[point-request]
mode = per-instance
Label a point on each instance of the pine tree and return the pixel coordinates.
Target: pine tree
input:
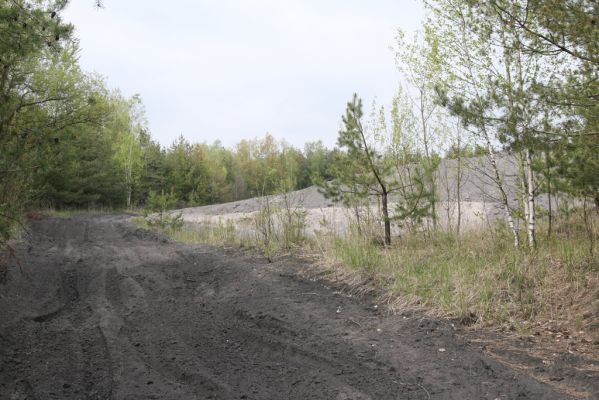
(359, 170)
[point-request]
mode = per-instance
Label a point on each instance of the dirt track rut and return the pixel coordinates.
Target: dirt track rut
(102, 310)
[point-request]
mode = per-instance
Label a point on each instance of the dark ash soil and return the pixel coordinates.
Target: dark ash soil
(102, 310)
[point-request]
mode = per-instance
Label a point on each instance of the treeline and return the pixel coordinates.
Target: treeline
(67, 140)
(201, 173)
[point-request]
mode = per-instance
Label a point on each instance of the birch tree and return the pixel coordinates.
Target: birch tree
(126, 128)
(493, 92)
(413, 199)
(419, 61)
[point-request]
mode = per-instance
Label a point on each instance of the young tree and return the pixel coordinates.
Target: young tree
(179, 166)
(360, 169)
(125, 127)
(420, 63)
(414, 199)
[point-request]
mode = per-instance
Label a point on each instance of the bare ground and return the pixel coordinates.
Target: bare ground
(102, 310)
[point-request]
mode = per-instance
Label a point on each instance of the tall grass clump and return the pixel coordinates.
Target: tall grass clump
(358, 254)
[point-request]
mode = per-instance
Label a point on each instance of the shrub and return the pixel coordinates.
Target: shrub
(157, 212)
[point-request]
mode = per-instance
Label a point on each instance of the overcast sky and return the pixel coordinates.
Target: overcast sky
(234, 69)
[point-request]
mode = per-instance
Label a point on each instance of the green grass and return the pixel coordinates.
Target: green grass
(358, 254)
(224, 234)
(479, 278)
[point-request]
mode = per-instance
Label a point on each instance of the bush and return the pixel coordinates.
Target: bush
(157, 212)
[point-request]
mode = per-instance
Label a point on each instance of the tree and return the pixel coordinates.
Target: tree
(39, 97)
(414, 198)
(564, 35)
(318, 159)
(360, 169)
(553, 27)
(32, 33)
(80, 172)
(125, 126)
(421, 64)
(153, 174)
(179, 169)
(492, 90)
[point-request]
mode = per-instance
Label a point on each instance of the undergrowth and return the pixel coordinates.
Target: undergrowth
(480, 278)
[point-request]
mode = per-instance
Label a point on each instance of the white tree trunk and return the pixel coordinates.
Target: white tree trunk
(459, 182)
(523, 180)
(531, 222)
(504, 198)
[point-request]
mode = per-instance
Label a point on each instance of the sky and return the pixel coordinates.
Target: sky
(236, 69)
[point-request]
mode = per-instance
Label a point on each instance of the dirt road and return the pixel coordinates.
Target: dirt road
(102, 310)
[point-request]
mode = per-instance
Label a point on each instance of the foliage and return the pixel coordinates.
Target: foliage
(540, 83)
(68, 141)
(360, 169)
(33, 102)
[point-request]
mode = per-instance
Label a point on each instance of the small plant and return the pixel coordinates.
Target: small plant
(157, 214)
(265, 227)
(292, 221)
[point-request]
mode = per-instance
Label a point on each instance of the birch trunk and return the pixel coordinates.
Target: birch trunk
(130, 175)
(530, 229)
(428, 155)
(459, 183)
(448, 209)
(523, 195)
(549, 201)
(504, 198)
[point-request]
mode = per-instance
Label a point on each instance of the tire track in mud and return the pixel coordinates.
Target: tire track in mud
(109, 311)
